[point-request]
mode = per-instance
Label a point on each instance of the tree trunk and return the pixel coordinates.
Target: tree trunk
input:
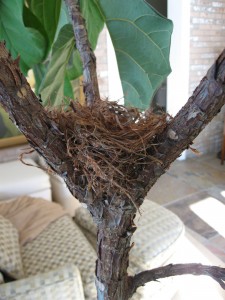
(114, 219)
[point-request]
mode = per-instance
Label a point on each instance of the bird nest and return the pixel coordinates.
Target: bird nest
(109, 144)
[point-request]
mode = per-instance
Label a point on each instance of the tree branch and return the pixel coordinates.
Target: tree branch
(206, 101)
(216, 273)
(28, 114)
(91, 89)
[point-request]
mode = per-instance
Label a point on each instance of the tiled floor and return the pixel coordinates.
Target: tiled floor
(194, 189)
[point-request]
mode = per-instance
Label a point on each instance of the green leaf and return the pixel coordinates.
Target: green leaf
(26, 42)
(63, 18)
(39, 73)
(65, 63)
(93, 19)
(47, 12)
(141, 39)
(52, 89)
(68, 89)
(31, 21)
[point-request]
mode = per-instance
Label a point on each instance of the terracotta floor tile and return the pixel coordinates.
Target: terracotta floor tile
(197, 175)
(182, 208)
(218, 241)
(188, 182)
(211, 161)
(217, 192)
(217, 252)
(169, 188)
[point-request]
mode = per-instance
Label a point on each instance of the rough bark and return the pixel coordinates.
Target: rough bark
(27, 113)
(113, 216)
(114, 234)
(91, 89)
(206, 101)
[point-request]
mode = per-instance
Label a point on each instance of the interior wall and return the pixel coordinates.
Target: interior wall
(178, 80)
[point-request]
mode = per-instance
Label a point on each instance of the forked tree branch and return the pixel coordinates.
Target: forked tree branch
(216, 273)
(91, 89)
(42, 133)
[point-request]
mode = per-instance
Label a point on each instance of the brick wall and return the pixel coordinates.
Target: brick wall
(207, 40)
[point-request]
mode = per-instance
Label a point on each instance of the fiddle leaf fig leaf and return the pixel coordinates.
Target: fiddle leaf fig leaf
(68, 88)
(52, 88)
(65, 62)
(141, 39)
(93, 20)
(48, 13)
(20, 40)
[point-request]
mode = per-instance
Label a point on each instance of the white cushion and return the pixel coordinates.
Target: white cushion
(62, 242)
(10, 258)
(1, 278)
(84, 219)
(158, 233)
(18, 179)
(59, 284)
(62, 195)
